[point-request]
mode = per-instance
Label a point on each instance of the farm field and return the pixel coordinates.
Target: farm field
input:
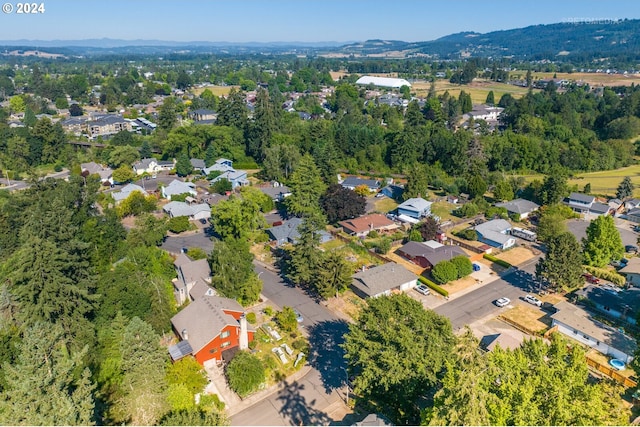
(593, 79)
(478, 89)
(216, 90)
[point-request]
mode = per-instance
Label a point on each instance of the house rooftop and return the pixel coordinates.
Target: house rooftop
(416, 203)
(382, 278)
(367, 222)
(432, 254)
(495, 230)
(582, 321)
(519, 206)
(632, 267)
(584, 198)
(354, 181)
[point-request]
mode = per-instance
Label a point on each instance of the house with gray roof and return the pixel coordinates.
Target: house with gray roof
(416, 207)
(634, 215)
(382, 280)
(104, 172)
(288, 232)
(496, 233)
(521, 207)
(428, 254)
(632, 271)
(579, 202)
(126, 191)
(352, 182)
(598, 208)
(152, 166)
(613, 302)
(277, 191)
(177, 187)
(197, 164)
(212, 326)
(580, 325)
(237, 178)
(195, 211)
(221, 165)
(193, 279)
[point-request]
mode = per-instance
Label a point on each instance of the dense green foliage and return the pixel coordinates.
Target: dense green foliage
(286, 319)
(340, 203)
(606, 274)
(535, 384)
(603, 243)
(397, 349)
(444, 272)
(562, 266)
(245, 373)
(433, 286)
(233, 275)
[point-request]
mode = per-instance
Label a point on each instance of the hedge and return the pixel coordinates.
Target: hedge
(433, 286)
(606, 274)
(491, 258)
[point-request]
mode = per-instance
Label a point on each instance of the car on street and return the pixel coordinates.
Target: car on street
(631, 249)
(533, 300)
(423, 289)
(203, 221)
(502, 302)
(299, 317)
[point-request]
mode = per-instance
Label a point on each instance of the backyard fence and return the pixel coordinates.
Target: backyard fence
(611, 373)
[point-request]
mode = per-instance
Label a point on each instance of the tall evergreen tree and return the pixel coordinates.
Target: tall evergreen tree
(306, 188)
(625, 189)
(232, 270)
(47, 385)
(562, 264)
(334, 275)
(183, 165)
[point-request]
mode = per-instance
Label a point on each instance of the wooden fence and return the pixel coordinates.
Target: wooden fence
(611, 373)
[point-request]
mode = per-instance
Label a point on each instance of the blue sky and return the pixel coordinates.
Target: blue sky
(300, 20)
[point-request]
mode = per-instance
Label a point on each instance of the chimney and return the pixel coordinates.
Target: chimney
(244, 336)
(185, 335)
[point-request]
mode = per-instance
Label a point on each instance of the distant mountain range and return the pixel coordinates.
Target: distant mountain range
(580, 39)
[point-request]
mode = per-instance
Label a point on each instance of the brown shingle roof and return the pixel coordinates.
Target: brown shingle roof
(367, 222)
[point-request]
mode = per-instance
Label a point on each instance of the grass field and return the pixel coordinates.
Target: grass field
(216, 90)
(593, 79)
(606, 182)
(478, 90)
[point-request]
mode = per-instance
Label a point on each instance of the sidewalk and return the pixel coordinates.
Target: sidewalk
(234, 404)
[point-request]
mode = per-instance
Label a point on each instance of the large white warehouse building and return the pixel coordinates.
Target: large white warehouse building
(383, 82)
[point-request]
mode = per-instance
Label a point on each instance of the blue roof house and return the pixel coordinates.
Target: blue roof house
(496, 233)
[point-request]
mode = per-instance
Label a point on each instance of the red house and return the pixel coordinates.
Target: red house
(208, 327)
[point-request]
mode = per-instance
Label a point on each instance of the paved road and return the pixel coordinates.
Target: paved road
(202, 239)
(310, 400)
(479, 304)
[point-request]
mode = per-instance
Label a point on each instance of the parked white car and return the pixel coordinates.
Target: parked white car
(533, 300)
(423, 289)
(502, 302)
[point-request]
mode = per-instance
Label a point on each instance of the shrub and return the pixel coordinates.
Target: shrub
(492, 258)
(57, 167)
(433, 286)
(178, 224)
(468, 234)
(251, 318)
(444, 271)
(245, 373)
(373, 234)
(268, 311)
(384, 245)
(606, 274)
(286, 319)
(463, 265)
(495, 211)
(253, 344)
(300, 345)
(467, 210)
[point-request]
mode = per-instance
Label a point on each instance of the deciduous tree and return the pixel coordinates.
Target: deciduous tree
(232, 269)
(245, 373)
(340, 203)
(603, 242)
(444, 272)
(390, 326)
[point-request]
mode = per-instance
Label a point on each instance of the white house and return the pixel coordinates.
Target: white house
(632, 271)
(151, 165)
(193, 211)
(496, 233)
(415, 207)
(176, 187)
(104, 172)
(579, 324)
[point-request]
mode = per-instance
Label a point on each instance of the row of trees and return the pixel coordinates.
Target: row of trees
(405, 358)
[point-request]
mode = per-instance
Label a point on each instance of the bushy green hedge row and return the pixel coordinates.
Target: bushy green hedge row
(606, 274)
(491, 258)
(433, 286)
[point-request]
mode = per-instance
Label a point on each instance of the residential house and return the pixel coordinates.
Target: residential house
(105, 172)
(520, 207)
(428, 254)
(193, 279)
(194, 211)
(287, 232)
(632, 271)
(176, 187)
(496, 233)
(616, 205)
(485, 112)
(632, 204)
(107, 125)
(352, 182)
(144, 124)
(197, 164)
(152, 166)
(392, 191)
(415, 207)
(221, 165)
(504, 340)
(75, 125)
(203, 115)
(276, 191)
(382, 280)
(361, 226)
(580, 203)
(634, 215)
(126, 191)
(580, 325)
(613, 302)
(211, 325)
(237, 178)
(598, 208)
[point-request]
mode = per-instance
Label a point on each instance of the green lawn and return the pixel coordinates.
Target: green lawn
(606, 182)
(443, 210)
(385, 204)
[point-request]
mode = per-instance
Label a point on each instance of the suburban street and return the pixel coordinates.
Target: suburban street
(479, 304)
(311, 400)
